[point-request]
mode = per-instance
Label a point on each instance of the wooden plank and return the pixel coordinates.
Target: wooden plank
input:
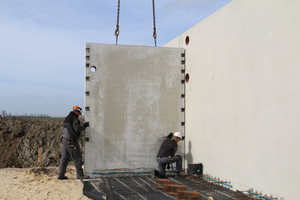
(40, 157)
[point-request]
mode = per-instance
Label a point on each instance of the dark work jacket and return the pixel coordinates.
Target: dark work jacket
(167, 148)
(72, 128)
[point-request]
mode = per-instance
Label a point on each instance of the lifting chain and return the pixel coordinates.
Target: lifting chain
(118, 17)
(154, 26)
(117, 27)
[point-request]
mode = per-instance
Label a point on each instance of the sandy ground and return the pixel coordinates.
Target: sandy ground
(39, 183)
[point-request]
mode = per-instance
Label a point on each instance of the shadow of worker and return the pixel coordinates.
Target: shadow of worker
(189, 156)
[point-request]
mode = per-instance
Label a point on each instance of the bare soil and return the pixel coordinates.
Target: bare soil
(20, 140)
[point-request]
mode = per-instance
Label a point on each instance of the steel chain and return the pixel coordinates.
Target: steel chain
(117, 31)
(117, 27)
(154, 25)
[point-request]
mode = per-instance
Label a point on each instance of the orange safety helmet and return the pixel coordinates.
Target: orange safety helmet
(77, 108)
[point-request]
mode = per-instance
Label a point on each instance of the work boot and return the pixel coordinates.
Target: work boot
(154, 174)
(62, 177)
(83, 177)
(178, 173)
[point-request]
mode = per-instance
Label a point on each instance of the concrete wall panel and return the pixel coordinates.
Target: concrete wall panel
(242, 100)
(132, 99)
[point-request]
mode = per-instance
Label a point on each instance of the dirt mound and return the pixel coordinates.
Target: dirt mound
(49, 171)
(20, 140)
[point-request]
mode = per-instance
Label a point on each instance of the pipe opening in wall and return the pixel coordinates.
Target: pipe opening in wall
(187, 40)
(93, 69)
(187, 78)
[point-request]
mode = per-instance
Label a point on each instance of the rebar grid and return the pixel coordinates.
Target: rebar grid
(130, 187)
(182, 187)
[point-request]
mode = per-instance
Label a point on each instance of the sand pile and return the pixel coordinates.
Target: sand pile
(35, 183)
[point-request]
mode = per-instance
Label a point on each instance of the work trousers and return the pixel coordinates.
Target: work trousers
(75, 153)
(163, 161)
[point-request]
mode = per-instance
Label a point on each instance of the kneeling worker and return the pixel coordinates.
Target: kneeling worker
(166, 155)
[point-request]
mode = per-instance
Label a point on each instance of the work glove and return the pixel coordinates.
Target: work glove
(170, 135)
(86, 124)
(168, 166)
(170, 159)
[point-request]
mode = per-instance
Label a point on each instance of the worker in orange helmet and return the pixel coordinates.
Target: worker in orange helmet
(70, 147)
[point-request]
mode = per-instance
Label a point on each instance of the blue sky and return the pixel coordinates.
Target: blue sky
(43, 44)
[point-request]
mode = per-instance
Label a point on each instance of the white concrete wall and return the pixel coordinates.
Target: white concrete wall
(243, 97)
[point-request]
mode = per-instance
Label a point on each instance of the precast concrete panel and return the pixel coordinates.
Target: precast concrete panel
(133, 96)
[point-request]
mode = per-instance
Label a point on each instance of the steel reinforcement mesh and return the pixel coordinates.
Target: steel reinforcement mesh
(143, 187)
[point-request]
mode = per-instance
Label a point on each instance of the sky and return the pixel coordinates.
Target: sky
(42, 54)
